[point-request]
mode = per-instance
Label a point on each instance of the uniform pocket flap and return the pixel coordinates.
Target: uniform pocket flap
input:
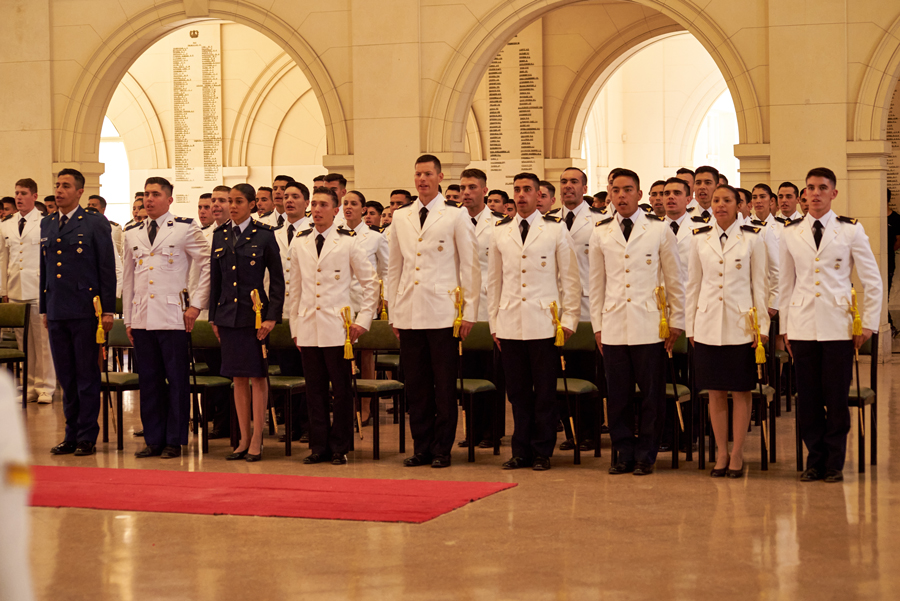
(797, 300)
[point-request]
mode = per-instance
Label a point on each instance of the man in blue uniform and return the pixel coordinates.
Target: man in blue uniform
(77, 264)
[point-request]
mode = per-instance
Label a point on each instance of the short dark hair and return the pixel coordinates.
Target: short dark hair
(100, 198)
(319, 178)
(403, 192)
(300, 186)
(430, 158)
(336, 177)
(723, 176)
(76, 174)
(613, 173)
(41, 207)
(765, 188)
(8, 200)
(140, 193)
(50, 198)
(678, 180)
(658, 182)
(685, 171)
(790, 185)
(733, 190)
(453, 187)
(264, 189)
(247, 191)
(27, 183)
(281, 178)
(746, 193)
(823, 172)
(222, 189)
(628, 173)
(707, 169)
(205, 196)
(550, 187)
(601, 195)
(362, 197)
(583, 175)
(531, 176)
(328, 192)
(374, 204)
(475, 174)
(509, 201)
(502, 194)
(161, 182)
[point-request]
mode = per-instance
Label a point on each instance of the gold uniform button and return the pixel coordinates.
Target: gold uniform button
(720, 286)
(59, 252)
(151, 254)
(59, 240)
(416, 282)
(318, 270)
(817, 294)
(235, 300)
(318, 295)
(235, 283)
(720, 298)
(59, 264)
(152, 296)
(151, 268)
(233, 267)
(524, 257)
(318, 283)
(817, 270)
(817, 259)
(58, 275)
(317, 308)
(627, 300)
(151, 281)
(628, 285)
(171, 261)
(417, 269)
(21, 244)
(523, 299)
(720, 262)
(418, 254)
(523, 285)
(627, 271)
(523, 271)
(420, 239)
(626, 256)
(817, 283)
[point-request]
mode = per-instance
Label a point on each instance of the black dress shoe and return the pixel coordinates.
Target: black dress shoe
(138, 433)
(587, 445)
(314, 458)
(665, 448)
(149, 451)
(463, 443)
(623, 467)
(417, 460)
(171, 452)
(441, 461)
(217, 434)
(85, 448)
(236, 456)
(541, 464)
(304, 438)
(64, 448)
(516, 463)
(560, 427)
(338, 459)
(486, 444)
(567, 445)
(643, 469)
(811, 475)
(834, 476)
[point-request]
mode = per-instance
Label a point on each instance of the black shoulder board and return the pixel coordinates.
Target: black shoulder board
(222, 227)
(453, 203)
(384, 227)
(114, 223)
(377, 228)
(601, 222)
(780, 219)
(699, 219)
(703, 229)
(789, 223)
(506, 219)
(206, 226)
(406, 205)
(264, 226)
(553, 218)
(750, 228)
(690, 209)
(341, 230)
(184, 219)
(654, 217)
(305, 232)
(596, 210)
(498, 214)
(8, 217)
(645, 207)
(762, 223)
(264, 215)
(849, 220)
(554, 211)
(134, 225)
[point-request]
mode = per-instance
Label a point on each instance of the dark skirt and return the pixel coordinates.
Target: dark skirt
(729, 367)
(241, 353)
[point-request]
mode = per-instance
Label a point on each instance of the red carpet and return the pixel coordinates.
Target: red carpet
(211, 493)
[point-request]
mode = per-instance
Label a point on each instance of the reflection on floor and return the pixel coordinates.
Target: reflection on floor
(574, 532)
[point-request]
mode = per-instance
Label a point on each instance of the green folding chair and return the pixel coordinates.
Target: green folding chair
(117, 381)
(284, 387)
(15, 315)
(203, 337)
(380, 337)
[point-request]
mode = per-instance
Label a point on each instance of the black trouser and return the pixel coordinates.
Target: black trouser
(321, 365)
(290, 361)
(824, 373)
(644, 364)
(165, 385)
(430, 365)
(529, 366)
(73, 345)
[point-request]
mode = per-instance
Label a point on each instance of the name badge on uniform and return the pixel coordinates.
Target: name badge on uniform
(649, 261)
(738, 266)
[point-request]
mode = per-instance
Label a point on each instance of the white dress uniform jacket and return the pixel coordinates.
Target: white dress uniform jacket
(375, 246)
(582, 228)
(156, 274)
(484, 230)
(320, 286)
(118, 236)
(815, 283)
(270, 218)
(725, 283)
(625, 274)
(194, 273)
(284, 250)
(683, 237)
(426, 264)
(524, 278)
(20, 257)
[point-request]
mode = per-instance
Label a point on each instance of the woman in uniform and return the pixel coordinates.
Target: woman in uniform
(727, 278)
(243, 250)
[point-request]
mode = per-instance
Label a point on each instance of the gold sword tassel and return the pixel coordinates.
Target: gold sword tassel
(348, 354)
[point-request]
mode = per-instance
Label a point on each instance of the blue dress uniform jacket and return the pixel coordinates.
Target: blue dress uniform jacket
(238, 267)
(77, 264)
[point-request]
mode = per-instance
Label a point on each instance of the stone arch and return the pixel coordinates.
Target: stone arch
(446, 127)
(879, 82)
(79, 128)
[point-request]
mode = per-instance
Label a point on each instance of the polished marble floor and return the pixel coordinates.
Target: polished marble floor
(574, 532)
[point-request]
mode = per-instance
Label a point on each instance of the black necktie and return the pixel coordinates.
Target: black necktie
(151, 231)
(320, 240)
(705, 214)
(628, 225)
(63, 221)
(474, 222)
(570, 219)
(524, 227)
(21, 225)
(281, 220)
(722, 239)
(423, 215)
(674, 226)
(817, 232)
(290, 233)
(237, 233)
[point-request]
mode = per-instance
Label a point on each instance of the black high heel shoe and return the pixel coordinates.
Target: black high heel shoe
(237, 455)
(719, 473)
(735, 473)
(254, 458)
